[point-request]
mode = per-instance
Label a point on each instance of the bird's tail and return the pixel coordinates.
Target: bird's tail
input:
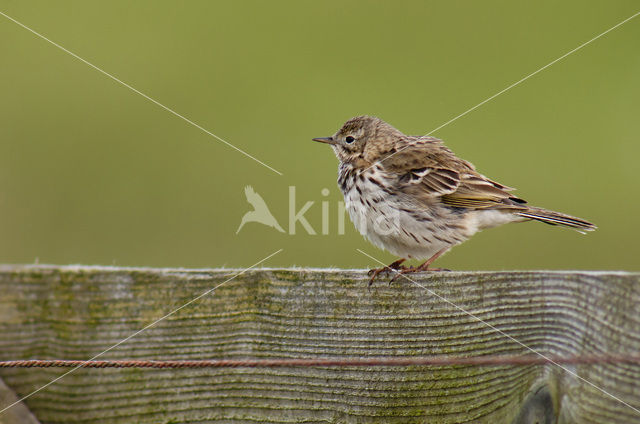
(557, 218)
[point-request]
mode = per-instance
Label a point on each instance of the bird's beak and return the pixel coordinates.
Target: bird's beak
(328, 140)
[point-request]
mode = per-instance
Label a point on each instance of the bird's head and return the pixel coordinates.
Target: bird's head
(362, 138)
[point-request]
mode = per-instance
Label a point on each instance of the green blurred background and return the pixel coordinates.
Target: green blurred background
(93, 173)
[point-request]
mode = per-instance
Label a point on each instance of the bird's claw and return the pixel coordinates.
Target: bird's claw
(408, 270)
(393, 267)
(373, 273)
(400, 270)
(399, 273)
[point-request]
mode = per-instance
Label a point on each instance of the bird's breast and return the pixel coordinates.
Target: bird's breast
(366, 196)
(394, 220)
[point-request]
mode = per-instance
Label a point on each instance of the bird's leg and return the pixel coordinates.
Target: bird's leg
(391, 267)
(423, 267)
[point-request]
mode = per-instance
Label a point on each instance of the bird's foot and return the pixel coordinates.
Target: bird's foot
(421, 268)
(393, 267)
(412, 269)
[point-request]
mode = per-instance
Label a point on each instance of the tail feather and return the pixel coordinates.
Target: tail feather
(557, 218)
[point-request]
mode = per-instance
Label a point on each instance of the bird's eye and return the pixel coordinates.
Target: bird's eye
(349, 139)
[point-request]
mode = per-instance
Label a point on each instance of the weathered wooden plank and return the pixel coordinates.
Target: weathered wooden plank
(19, 414)
(76, 312)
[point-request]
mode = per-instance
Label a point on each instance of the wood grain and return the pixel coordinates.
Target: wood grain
(75, 312)
(18, 414)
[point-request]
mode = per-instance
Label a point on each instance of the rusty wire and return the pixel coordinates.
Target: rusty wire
(504, 360)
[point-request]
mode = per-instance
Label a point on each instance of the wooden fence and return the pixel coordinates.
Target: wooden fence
(76, 312)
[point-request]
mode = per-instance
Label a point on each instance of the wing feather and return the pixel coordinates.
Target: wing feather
(424, 166)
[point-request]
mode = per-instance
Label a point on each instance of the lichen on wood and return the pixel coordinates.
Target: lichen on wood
(50, 312)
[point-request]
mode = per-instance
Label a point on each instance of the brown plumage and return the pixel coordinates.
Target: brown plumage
(414, 197)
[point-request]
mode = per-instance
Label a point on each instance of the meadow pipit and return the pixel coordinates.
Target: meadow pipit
(414, 197)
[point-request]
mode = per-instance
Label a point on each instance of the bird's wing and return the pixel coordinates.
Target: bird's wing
(254, 198)
(478, 192)
(425, 168)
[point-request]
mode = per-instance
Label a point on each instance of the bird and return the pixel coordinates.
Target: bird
(260, 212)
(412, 196)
